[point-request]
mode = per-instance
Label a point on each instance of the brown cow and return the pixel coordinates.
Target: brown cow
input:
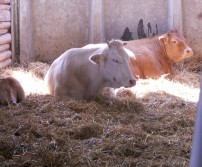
(11, 91)
(152, 57)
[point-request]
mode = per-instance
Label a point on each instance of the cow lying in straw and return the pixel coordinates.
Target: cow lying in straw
(153, 57)
(11, 91)
(81, 73)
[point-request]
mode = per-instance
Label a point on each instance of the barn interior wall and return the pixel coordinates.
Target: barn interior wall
(192, 25)
(150, 16)
(60, 25)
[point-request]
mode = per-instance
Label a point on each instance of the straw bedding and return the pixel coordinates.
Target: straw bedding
(150, 124)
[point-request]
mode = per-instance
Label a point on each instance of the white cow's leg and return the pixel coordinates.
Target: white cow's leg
(109, 92)
(69, 91)
(59, 91)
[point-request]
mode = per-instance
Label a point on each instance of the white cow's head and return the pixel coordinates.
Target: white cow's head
(114, 65)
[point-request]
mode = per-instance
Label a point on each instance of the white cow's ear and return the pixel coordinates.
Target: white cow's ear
(97, 59)
(163, 39)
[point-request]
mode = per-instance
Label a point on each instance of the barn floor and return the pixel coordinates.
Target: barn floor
(150, 124)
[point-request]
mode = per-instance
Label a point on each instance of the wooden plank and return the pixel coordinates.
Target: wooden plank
(5, 39)
(5, 1)
(5, 63)
(26, 35)
(15, 45)
(178, 15)
(5, 55)
(5, 15)
(4, 25)
(3, 31)
(4, 47)
(5, 7)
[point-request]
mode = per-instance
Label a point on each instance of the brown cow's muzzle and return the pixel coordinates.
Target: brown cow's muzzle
(188, 52)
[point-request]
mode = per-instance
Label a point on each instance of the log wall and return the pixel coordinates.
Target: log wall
(5, 34)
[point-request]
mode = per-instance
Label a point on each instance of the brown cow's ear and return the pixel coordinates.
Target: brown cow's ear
(98, 58)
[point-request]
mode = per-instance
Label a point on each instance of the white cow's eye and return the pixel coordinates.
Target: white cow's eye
(114, 60)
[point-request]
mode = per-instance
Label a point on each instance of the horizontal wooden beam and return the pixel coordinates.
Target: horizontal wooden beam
(3, 31)
(5, 55)
(5, 63)
(4, 47)
(5, 1)
(4, 25)
(5, 39)
(5, 15)
(5, 7)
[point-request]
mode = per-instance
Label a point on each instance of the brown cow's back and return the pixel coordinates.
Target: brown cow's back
(149, 59)
(11, 91)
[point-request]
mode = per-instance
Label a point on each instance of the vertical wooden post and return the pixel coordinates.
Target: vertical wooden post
(170, 14)
(26, 42)
(178, 17)
(96, 27)
(175, 15)
(175, 18)
(15, 45)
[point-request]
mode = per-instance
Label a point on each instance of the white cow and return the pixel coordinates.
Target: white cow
(81, 73)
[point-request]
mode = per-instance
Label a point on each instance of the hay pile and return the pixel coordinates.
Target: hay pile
(150, 124)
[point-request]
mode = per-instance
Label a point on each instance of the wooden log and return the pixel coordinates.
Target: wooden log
(5, 7)
(4, 25)
(5, 63)
(5, 55)
(4, 47)
(3, 31)
(5, 39)
(5, 1)
(5, 15)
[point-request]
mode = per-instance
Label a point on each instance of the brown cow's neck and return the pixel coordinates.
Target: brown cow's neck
(161, 50)
(154, 45)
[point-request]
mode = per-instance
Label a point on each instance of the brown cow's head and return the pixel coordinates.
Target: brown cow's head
(11, 92)
(176, 48)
